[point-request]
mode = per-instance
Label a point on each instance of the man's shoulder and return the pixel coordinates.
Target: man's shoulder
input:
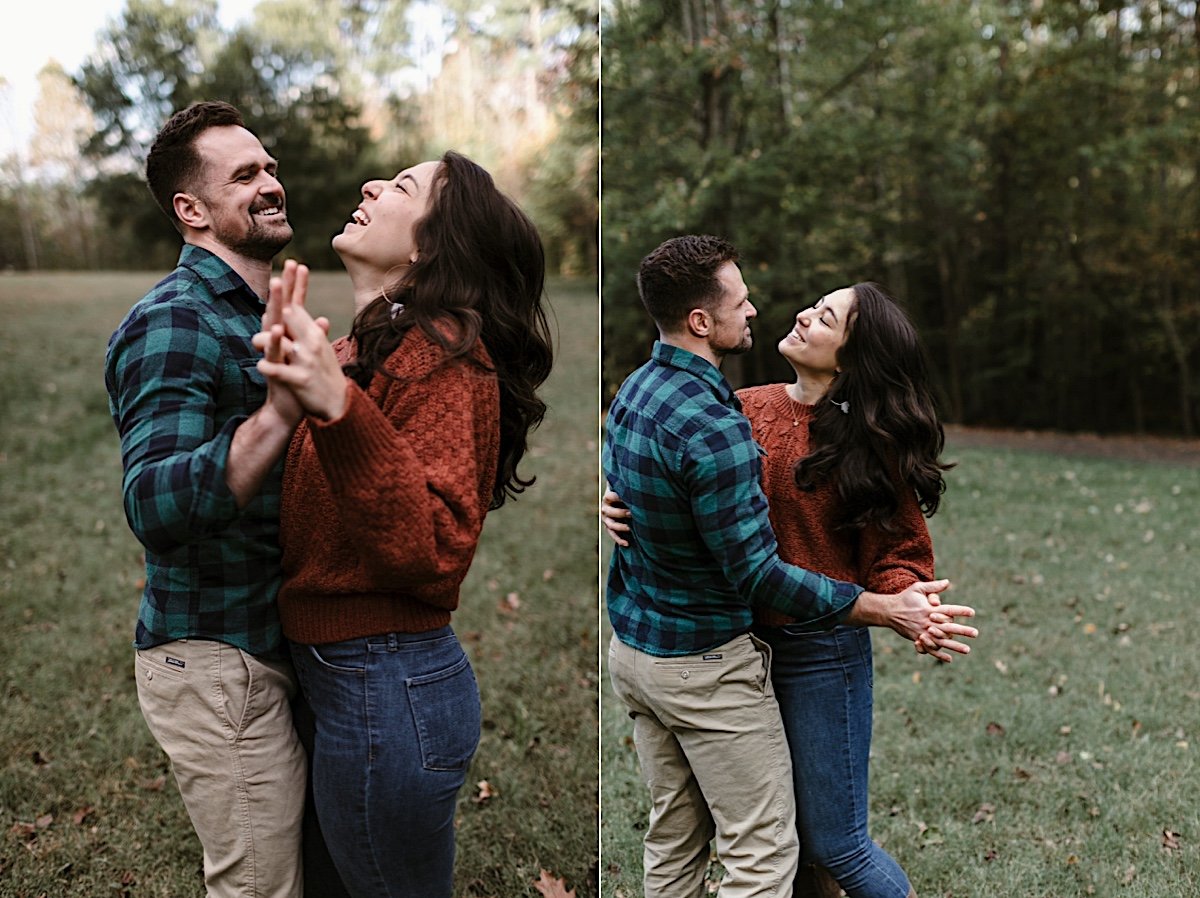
(674, 400)
(182, 287)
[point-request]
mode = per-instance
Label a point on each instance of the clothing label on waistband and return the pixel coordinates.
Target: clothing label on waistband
(716, 656)
(175, 662)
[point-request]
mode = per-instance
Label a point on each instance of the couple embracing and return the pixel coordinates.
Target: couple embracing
(310, 509)
(759, 534)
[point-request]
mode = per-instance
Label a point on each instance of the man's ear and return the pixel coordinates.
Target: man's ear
(190, 210)
(698, 323)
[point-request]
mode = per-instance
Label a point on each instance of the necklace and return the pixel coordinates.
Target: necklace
(794, 407)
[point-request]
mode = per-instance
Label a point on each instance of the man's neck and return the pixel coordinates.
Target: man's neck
(255, 272)
(694, 345)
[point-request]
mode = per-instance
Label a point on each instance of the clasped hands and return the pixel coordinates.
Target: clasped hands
(302, 371)
(916, 613)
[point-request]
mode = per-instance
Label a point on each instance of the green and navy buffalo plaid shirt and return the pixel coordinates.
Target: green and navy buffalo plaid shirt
(181, 377)
(680, 454)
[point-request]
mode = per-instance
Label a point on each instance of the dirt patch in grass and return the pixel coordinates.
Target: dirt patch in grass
(1166, 450)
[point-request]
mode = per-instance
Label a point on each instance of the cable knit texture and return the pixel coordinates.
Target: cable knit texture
(383, 507)
(873, 558)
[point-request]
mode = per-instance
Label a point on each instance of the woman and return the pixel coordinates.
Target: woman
(851, 461)
(414, 426)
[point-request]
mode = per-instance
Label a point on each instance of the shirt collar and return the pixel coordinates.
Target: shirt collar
(676, 357)
(215, 272)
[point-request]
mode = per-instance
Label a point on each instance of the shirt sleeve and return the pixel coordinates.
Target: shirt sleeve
(722, 467)
(163, 377)
(405, 478)
(891, 561)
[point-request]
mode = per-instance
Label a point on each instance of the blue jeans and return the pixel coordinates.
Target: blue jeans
(823, 684)
(397, 720)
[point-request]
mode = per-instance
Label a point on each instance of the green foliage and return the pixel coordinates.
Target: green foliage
(340, 91)
(1059, 757)
(1022, 175)
(87, 803)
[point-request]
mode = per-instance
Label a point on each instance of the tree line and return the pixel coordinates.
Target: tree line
(339, 91)
(1023, 175)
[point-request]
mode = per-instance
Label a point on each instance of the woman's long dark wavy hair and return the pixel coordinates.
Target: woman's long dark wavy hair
(481, 267)
(890, 426)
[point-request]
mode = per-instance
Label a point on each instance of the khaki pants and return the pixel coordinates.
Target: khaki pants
(223, 718)
(713, 753)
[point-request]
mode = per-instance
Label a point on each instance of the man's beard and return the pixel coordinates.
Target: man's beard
(260, 243)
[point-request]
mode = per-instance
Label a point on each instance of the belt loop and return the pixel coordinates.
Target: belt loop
(393, 643)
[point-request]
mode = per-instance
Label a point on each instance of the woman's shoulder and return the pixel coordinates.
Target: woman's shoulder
(761, 403)
(419, 352)
(758, 395)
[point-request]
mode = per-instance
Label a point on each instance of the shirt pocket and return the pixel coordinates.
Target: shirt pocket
(250, 390)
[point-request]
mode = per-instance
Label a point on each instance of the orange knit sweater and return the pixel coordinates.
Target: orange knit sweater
(879, 561)
(382, 508)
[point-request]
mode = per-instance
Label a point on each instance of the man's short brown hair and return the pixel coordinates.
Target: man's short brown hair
(173, 165)
(681, 275)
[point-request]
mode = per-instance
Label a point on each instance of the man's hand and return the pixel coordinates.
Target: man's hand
(917, 614)
(298, 359)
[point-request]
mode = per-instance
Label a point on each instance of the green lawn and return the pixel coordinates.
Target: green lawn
(1060, 758)
(84, 806)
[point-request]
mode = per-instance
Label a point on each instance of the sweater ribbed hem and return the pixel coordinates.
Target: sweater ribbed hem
(320, 619)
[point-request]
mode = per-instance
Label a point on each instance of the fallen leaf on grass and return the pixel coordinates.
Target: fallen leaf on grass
(985, 814)
(82, 814)
(509, 604)
(552, 886)
(39, 759)
(1170, 840)
(995, 729)
(486, 791)
(29, 831)
(991, 854)
(154, 785)
(1130, 873)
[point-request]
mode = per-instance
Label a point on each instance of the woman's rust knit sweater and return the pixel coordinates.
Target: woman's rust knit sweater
(804, 521)
(382, 508)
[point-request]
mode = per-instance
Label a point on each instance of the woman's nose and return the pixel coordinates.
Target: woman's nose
(370, 190)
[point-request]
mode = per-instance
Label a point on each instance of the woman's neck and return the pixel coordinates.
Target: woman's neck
(809, 386)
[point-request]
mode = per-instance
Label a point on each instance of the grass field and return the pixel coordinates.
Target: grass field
(1061, 757)
(87, 805)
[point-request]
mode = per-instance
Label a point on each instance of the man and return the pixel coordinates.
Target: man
(707, 728)
(202, 458)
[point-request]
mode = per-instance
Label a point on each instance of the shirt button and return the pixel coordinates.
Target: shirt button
(685, 674)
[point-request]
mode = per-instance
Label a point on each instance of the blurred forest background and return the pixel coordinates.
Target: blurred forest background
(1021, 173)
(340, 91)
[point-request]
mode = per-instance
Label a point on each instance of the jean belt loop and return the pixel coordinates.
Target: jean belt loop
(393, 643)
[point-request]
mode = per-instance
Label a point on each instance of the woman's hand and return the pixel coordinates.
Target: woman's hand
(298, 359)
(917, 614)
(613, 515)
(280, 400)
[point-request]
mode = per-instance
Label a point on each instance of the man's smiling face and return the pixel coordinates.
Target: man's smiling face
(246, 203)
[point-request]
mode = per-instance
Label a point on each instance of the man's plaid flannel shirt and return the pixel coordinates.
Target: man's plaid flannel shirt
(181, 377)
(680, 454)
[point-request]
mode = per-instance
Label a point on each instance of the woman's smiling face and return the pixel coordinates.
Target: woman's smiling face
(820, 331)
(381, 231)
